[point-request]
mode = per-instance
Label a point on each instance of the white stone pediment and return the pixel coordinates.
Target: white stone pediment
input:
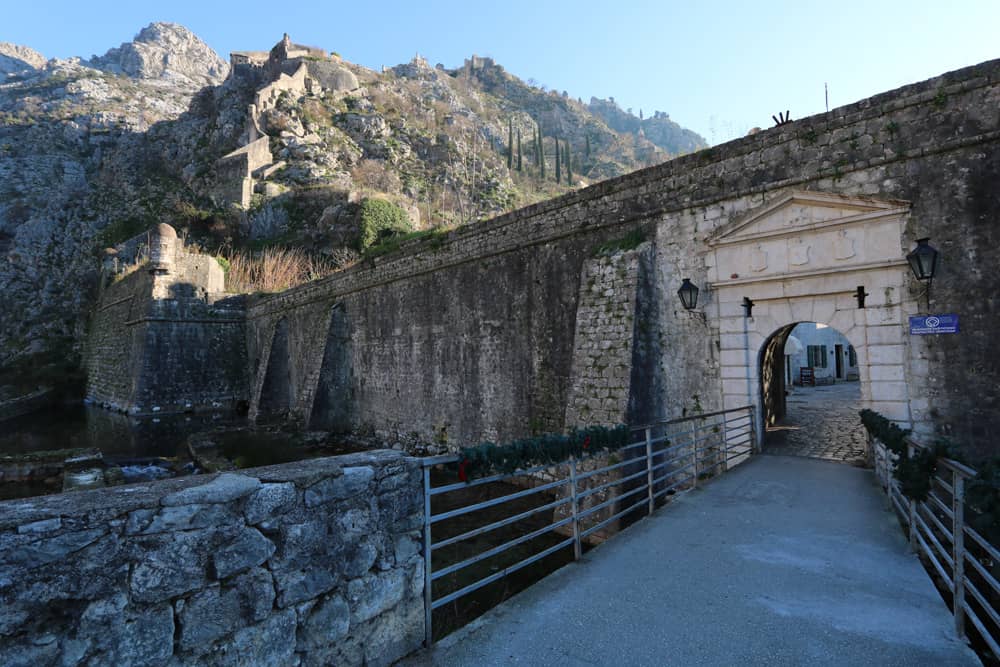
(802, 211)
(807, 233)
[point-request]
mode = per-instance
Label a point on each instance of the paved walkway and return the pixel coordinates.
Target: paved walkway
(783, 561)
(822, 423)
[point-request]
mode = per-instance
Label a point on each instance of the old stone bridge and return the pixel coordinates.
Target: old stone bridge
(566, 312)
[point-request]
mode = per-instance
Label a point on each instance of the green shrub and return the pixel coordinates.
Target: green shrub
(630, 241)
(121, 230)
(381, 219)
(549, 448)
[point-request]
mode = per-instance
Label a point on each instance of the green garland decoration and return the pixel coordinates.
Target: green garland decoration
(488, 458)
(982, 494)
(915, 471)
(893, 437)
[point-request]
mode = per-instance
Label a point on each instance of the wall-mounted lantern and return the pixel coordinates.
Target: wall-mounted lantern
(688, 294)
(747, 307)
(860, 296)
(923, 260)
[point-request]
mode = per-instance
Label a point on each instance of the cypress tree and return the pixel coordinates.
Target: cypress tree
(510, 143)
(519, 165)
(588, 146)
(558, 162)
(569, 165)
(541, 151)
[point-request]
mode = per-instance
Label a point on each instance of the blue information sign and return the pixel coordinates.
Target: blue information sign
(923, 325)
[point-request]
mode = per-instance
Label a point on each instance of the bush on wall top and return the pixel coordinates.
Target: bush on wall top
(380, 219)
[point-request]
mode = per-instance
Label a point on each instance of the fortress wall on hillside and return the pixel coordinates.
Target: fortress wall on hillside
(470, 335)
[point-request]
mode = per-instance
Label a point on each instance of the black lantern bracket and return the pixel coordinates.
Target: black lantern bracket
(923, 262)
(747, 307)
(688, 294)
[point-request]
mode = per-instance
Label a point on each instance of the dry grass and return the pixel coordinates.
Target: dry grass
(125, 269)
(273, 270)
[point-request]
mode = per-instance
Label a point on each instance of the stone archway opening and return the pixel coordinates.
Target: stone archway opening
(810, 394)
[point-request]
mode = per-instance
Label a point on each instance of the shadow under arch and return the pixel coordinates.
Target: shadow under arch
(276, 389)
(826, 356)
(331, 408)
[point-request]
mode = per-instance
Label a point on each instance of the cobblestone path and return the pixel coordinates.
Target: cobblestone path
(822, 423)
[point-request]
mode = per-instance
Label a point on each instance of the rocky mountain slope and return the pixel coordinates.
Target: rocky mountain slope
(93, 152)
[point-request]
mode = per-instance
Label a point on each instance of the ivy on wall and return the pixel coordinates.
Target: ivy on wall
(551, 448)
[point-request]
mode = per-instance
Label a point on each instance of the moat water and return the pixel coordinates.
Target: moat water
(118, 437)
(147, 448)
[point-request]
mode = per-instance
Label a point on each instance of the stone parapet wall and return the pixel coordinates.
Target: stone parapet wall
(295, 84)
(310, 563)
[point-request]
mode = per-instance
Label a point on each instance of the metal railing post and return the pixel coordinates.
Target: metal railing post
(694, 455)
(886, 473)
(754, 444)
(958, 543)
(649, 470)
(725, 445)
(428, 592)
(913, 514)
(577, 547)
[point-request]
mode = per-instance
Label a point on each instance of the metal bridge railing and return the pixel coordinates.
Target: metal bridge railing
(581, 497)
(965, 562)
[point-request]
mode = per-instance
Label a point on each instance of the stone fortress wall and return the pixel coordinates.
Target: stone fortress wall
(311, 563)
(282, 70)
(472, 335)
(167, 337)
(476, 328)
(487, 332)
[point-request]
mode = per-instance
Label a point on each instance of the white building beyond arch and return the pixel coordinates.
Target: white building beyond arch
(801, 259)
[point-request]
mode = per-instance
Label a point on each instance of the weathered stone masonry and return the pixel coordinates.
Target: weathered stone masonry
(167, 337)
(311, 563)
(471, 335)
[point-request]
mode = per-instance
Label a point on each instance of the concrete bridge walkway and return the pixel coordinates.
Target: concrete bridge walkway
(783, 561)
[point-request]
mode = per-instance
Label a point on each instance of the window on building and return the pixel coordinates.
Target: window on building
(852, 356)
(816, 355)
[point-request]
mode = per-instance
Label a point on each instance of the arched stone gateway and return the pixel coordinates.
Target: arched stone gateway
(802, 259)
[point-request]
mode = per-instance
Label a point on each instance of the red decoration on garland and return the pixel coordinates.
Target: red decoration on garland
(463, 476)
(586, 443)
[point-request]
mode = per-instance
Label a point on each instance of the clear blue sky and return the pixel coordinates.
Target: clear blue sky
(716, 67)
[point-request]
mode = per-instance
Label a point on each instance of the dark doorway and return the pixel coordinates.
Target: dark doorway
(331, 409)
(276, 391)
(808, 409)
